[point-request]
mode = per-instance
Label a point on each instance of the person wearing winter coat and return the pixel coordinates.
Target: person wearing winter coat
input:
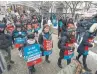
(35, 24)
(80, 31)
(5, 44)
(19, 33)
(66, 44)
(86, 43)
(45, 41)
(66, 22)
(30, 41)
(60, 24)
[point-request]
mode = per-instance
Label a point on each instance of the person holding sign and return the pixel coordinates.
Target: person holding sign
(87, 42)
(45, 41)
(32, 53)
(19, 37)
(66, 44)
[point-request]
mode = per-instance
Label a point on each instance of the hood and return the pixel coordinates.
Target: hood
(93, 28)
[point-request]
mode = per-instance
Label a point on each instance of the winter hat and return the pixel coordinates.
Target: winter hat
(31, 36)
(46, 25)
(18, 24)
(93, 28)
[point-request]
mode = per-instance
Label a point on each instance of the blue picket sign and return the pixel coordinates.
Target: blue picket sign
(32, 52)
(47, 52)
(20, 40)
(68, 56)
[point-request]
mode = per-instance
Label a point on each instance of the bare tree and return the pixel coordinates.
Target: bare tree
(87, 5)
(72, 6)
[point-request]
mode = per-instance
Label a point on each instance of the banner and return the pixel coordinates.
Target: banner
(90, 40)
(47, 45)
(10, 28)
(20, 40)
(32, 54)
(68, 54)
(18, 45)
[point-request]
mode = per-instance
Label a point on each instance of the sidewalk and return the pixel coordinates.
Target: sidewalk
(44, 68)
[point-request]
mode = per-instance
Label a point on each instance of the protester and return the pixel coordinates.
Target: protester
(86, 43)
(66, 44)
(45, 40)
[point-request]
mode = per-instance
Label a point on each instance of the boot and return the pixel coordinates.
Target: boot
(12, 62)
(8, 67)
(47, 59)
(60, 66)
(30, 71)
(33, 69)
(96, 72)
(59, 63)
(68, 61)
(87, 69)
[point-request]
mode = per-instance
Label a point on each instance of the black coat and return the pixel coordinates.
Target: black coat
(61, 45)
(80, 27)
(63, 32)
(5, 41)
(84, 43)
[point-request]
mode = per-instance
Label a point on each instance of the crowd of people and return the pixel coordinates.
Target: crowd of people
(21, 31)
